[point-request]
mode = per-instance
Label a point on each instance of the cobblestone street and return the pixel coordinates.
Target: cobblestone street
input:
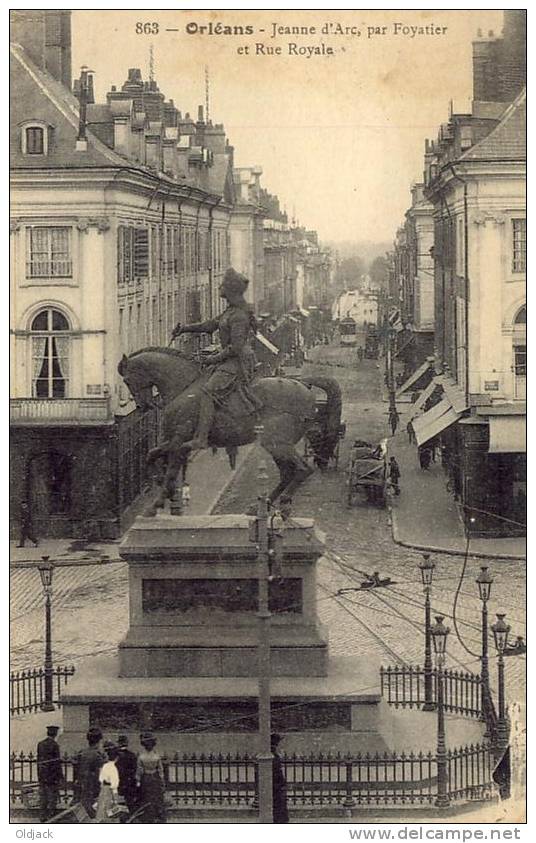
(387, 624)
(91, 601)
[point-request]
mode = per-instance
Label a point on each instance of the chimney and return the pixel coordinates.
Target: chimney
(45, 35)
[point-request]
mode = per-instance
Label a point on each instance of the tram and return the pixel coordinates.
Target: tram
(347, 331)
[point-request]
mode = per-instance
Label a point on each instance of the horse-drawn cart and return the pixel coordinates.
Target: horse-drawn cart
(322, 440)
(368, 474)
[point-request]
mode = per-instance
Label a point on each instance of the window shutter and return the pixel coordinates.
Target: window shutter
(141, 252)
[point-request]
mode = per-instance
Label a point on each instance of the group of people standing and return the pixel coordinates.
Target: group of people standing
(111, 783)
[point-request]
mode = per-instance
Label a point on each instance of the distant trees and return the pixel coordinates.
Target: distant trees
(349, 272)
(379, 272)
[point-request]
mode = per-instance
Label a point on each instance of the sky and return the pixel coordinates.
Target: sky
(340, 138)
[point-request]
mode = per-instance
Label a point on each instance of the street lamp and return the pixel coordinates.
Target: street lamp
(500, 634)
(46, 571)
(427, 568)
(439, 637)
(484, 582)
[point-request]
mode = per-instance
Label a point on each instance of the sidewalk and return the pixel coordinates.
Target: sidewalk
(208, 476)
(425, 515)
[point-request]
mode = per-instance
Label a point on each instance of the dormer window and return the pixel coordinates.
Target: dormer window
(34, 139)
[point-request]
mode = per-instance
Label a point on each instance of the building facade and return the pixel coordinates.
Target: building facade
(476, 183)
(124, 218)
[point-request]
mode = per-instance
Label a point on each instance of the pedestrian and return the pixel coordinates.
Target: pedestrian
(107, 805)
(393, 420)
(410, 432)
(279, 783)
(127, 764)
(424, 458)
(88, 764)
(49, 774)
(26, 527)
(394, 475)
(150, 776)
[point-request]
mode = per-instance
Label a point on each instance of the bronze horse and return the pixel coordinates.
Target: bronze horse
(288, 409)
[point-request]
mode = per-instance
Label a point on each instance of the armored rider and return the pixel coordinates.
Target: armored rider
(234, 365)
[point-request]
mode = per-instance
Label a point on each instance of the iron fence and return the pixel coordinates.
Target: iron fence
(217, 780)
(404, 687)
(27, 688)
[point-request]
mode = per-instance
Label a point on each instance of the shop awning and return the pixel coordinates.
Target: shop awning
(454, 393)
(414, 377)
(433, 422)
(417, 406)
(266, 343)
(507, 434)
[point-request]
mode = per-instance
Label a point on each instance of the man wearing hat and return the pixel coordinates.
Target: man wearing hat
(87, 768)
(235, 363)
(279, 783)
(49, 773)
(127, 764)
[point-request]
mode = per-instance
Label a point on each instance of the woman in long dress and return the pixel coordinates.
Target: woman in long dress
(107, 808)
(150, 775)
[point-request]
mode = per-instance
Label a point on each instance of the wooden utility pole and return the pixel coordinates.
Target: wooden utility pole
(264, 756)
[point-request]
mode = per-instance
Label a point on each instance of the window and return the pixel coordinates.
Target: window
(519, 245)
(48, 252)
(521, 316)
(50, 354)
(520, 372)
(35, 140)
(132, 254)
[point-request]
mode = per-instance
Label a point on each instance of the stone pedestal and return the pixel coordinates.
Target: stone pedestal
(188, 664)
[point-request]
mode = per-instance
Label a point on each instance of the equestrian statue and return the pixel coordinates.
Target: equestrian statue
(216, 402)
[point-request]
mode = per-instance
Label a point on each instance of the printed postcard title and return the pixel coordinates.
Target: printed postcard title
(278, 39)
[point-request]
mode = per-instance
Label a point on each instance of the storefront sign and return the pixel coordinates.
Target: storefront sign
(491, 386)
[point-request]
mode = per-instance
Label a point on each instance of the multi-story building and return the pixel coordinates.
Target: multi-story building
(413, 269)
(475, 182)
(125, 216)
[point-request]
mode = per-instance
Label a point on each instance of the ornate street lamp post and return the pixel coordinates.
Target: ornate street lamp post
(500, 634)
(427, 568)
(439, 637)
(484, 582)
(46, 571)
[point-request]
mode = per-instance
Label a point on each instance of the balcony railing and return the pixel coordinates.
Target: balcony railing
(59, 410)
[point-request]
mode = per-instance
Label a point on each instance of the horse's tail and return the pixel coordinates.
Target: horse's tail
(334, 405)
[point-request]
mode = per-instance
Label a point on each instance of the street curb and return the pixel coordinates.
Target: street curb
(449, 551)
(74, 562)
(64, 563)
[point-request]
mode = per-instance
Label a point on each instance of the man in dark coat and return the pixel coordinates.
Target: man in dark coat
(87, 768)
(394, 475)
(49, 774)
(279, 784)
(127, 764)
(26, 527)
